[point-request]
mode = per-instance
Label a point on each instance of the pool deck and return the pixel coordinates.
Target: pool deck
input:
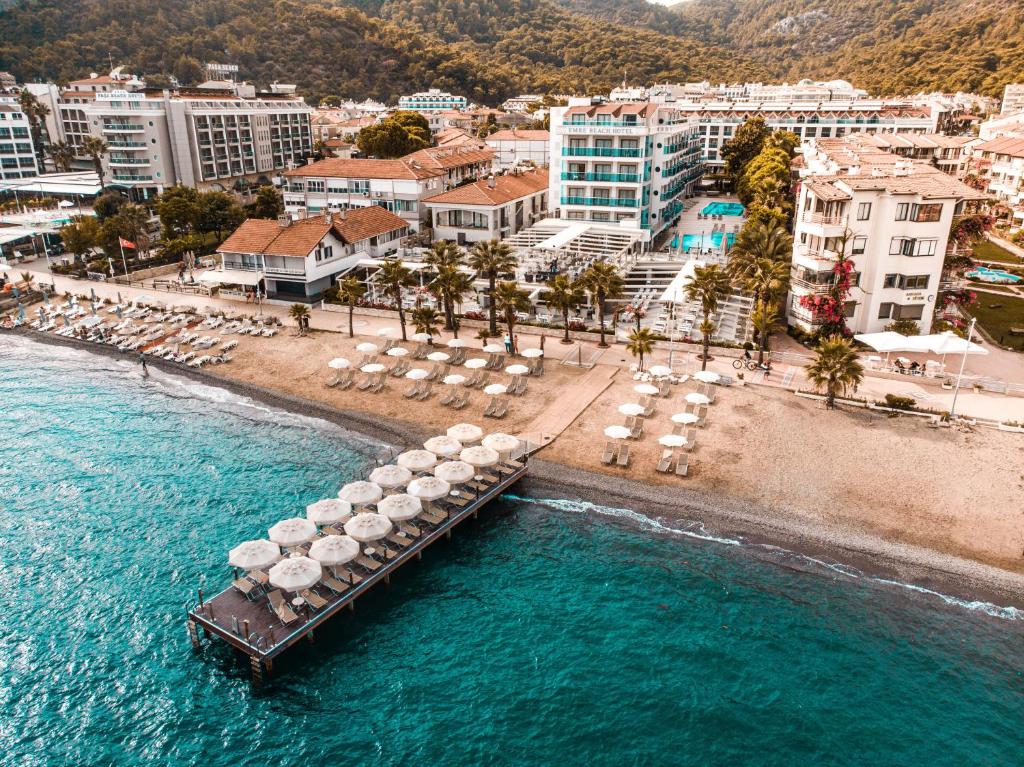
(250, 626)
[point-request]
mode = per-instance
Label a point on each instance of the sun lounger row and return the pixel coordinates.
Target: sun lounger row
(681, 461)
(455, 399)
(615, 453)
(420, 390)
(497, 407)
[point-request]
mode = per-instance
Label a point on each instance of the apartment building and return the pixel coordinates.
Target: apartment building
(520, 147)
(433, 100)
(399, 185)
(949, 154)
(890, 215)
(1000, 163)
(17, 150)
(493, 208)
(622, 161)
(1013, 99)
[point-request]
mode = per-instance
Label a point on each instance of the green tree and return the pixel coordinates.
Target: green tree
(95, 148)
(744, 146)
(904, 327)
(350, 291)
(708, 286)
(62, 154)
(640, 344)
(81, 235)
(396, 136)
(218, 212)
(491, 259)
(188, 71)
(765, 319)
(179, 211)
(509, 299)
(424, 319)
(108, 205)
(835, 368)
(394, 276)
(450, 284)
(563, 295)
(604, 283)
(133, 224)
(268, 203)
(300, 313)
(36, 112)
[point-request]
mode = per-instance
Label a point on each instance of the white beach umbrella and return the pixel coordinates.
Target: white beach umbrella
(373, 367)
(659, 371)
(329, 511)
(645, 388)
(684, 418)
(296, 574)
(417, 374)
(631, 409)
(417, 460)
(366, 347)
(517, 370)
(339, 363)
(65, 204)
(706, 376)
(696, 398)
(398, 351)
(466, 433)
(443, 446)
(332, 550)
(532, 354)
(421, 337)
(368, 527)
(479, 456)
(476, 363)
(617, 432)
(254, 555)
(493, 390)
(454, 380)
(385, 332)
(400, 507)
(454, 472)
(292, 532)
(438, 357)
(494, 348)
(428, 488)
(360, 493)
(672, 440)
(502, 443)
(951, 343)
(390, 476)
(456, 343)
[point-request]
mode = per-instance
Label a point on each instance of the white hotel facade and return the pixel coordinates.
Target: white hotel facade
(629, 162)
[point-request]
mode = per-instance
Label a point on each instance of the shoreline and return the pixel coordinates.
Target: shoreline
(838, 549)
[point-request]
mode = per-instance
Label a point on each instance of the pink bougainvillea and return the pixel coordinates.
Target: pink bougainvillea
(830, 307)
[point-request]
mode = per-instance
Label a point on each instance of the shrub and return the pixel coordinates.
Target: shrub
(897, 402)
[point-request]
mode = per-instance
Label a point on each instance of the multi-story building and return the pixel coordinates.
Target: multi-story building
(622, 161)
(1013, 99)
(17, 150)
(398, 185)
(433, 100)
(1000, 163)
(491, 209)
(520, 147)
(890, 216)
(947, 153)
(523, 103)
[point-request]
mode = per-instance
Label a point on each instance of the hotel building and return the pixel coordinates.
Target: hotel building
(433, 100)
(520, 147)
(622, 162)
(1000, 162)
(491, 209)
(17, 150)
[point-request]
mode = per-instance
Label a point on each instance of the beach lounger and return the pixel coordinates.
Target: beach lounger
(366, 383)
(332, 382)
(338, 587)
(461, 401)
(682, 465)
(280, 608)
(665, 462)
(635, 426)
(702, 416)
(456, 500)
(426, 389)
(370, 564)
(413, 391)
(431, 518)
(247, 587)
(664, 388)
(313, 599)
(623, 459)
(448, 398)
(502, 410)
(492, 405)
(648, 403)
(691, 440)
(399, 540)
(347, 379)
(411, 530)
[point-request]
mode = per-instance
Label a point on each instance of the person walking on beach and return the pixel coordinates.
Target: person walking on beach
(145, 370)
(508, 344)
(515, 345)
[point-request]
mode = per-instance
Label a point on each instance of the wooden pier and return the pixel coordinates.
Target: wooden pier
(247, 622)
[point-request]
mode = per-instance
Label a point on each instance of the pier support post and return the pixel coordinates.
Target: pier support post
(256, 668)
(448, 534)
(387, 579)
(310, 638)
(419, 555)
(193, 635)
(352, 606)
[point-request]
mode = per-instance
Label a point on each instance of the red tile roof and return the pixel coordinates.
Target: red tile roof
(300, 238)
(446, 157)
(1011, 145)
(507, 187)
(362, 168)
(520, 135)
(614, 109)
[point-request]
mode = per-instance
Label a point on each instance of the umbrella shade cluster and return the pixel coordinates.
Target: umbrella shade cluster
(361, 493)
(254, 555)
(334, 550)
(292, 532)
(417, 460)
(295, 574)
(443, 446)
(329, 511)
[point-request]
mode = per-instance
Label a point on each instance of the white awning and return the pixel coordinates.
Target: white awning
(230, 277)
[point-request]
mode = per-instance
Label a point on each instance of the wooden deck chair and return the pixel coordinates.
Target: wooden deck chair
(247, 587)
(665, 388)
(412, 391)
(280, 608)
(623, 459)
(665, 462)
(313, 599)
(682, 465)
(336, 586)
(370, 564)
(409, 529)
(609, 453)
(425, 390)
(691, 440)
(366, 383)
(398, 540)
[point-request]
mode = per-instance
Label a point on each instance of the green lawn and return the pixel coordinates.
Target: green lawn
(989, 251)
(997, 322)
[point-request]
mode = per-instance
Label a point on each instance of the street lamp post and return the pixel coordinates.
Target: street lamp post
(963, 363)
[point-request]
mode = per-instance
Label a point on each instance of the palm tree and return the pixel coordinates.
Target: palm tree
(394, 276)
(299, 313)
(759, 260)
(95, 148)
(443, 253)
(27, 278)
(36, 112)
(765, 319)
(62, 154)
(450, 285)
(708, 286)
(424, 320)
(509, 299)
(603, 282)
(835, 368)
(641, 343)
(135, 222)
(564, 295)
(490, 259)
(350, 290)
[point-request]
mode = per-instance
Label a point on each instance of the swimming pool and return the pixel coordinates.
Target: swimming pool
(704, 241)
(723, 209)
(984, 274)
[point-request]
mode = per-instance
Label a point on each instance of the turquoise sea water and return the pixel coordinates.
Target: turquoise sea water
(547, 633)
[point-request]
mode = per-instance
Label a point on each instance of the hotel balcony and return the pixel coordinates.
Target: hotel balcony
(621, 178)
(609, 202)
(283, 272)
(131, 179)
(127, 162)
(815, 217)
(123, 128)
(127, 145)
(591, 151)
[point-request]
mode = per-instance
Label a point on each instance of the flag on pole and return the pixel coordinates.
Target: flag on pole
(126, 243)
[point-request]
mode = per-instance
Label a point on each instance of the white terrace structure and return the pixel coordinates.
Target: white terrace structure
(491, 209)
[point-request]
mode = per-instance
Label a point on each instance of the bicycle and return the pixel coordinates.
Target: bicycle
(740, 363)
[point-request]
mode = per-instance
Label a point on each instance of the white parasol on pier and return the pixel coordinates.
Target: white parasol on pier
(707, 376)
(647, 389)
(503, 444)
(532, 354)
(292, 532)
(475, 363)
(454, 472)
(443, 445)
(366, 348)
(631, 409)
(390, 476)
(332, 550)
(493, 390)
(479, 456)
(696, 398)
(254, 555)
(360, 493)
(466, 433)
(684, 418)
(438, 357)
(329, 511)
(339, 363)
(295, 574)
(367, 527)
(417, 460)
(400, 507)
(429, 488)
(672, 440)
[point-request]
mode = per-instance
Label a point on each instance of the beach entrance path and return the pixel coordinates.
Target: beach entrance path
(567, 406)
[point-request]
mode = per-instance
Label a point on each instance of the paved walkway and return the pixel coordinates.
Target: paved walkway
(567, 406)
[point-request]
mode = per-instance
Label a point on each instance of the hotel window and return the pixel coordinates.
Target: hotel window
(604, 119)
(926, 213)
(902, 211)
(600, 216)
(908, 312)
(315, 186)
(885, 311)
(713, 130)
(574, 215)
(891, 281)
(863, 211)
(860, 244)
(915, 282)
(849, 308)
